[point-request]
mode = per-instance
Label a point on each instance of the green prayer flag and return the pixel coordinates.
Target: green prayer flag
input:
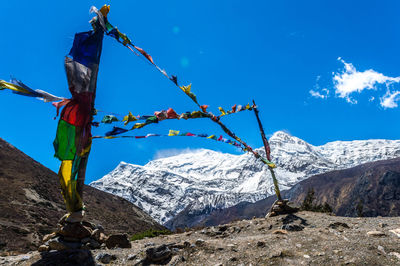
(64, 144)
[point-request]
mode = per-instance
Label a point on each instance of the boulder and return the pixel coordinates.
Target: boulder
(118, 240)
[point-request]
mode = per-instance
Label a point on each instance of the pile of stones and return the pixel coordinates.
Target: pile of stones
(82, 235)
(281, 207)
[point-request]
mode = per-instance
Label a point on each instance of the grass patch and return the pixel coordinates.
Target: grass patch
(150, 233)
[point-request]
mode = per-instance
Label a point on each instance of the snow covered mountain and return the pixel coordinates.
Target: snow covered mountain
(207, 179)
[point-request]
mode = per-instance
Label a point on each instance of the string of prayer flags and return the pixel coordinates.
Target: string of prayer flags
(20, 88)
(236, 109)
(246, 147)
(173, 133)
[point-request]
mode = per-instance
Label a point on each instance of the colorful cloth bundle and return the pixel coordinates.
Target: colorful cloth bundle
(73, 140)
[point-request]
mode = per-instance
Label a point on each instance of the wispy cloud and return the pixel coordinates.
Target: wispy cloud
(172, 152)
(317, 92)
(390, 99)
(349, 82)
(323, 94)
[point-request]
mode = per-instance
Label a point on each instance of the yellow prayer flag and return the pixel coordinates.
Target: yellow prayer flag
(222, 111)
(129, 118)
(10, 86)
(173, 132)
(138, 125)
(187, 88)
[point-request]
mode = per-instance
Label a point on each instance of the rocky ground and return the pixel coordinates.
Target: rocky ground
(304, 238)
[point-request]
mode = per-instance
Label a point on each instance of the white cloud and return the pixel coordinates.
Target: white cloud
(350, 80)
(390, 99)
(172, 152)
(317, 94)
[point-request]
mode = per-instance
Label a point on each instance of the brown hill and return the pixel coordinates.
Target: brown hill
(31, 204)
(373, 186)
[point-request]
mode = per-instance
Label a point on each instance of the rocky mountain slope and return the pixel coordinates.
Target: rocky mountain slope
(207, 180)
(376, 186)
(304, 238)
(31, 204)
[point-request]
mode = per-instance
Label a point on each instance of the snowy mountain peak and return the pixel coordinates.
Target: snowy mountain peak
(210, 179)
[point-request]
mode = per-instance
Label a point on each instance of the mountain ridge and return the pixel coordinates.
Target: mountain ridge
(207, 179)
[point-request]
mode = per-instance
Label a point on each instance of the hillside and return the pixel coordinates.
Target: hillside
(31, 204)
(376, 185)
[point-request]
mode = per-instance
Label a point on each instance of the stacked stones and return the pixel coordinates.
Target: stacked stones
(281, 207)
(82, 235)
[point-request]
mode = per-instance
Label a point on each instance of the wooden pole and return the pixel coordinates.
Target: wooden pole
(267, 152)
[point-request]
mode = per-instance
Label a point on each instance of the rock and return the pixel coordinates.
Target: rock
(118, 240)
(100, 228)
(150, 244)
(49, 236)
(76, 230)
(132, 257)
(260, 244)
(71, 239)
(93, 244)
(43, 248)
(85, 240)
(200, 242)
(292, 227)
(96, 234)
(105, 258)
(395, 254)
(56, 244)
(336, 225)
(382, 225)
(376, 233)
(233, 259)
(381, 249)
(396, 232)
(89, 225)
(60, 244)
(222, 228)
(103, 238)
(280, 232)
(158, 254)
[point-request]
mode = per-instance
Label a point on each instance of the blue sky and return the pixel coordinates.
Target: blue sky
(321, 70)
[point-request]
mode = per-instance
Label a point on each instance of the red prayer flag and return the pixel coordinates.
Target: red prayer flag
(143, 52)
(204, 108)
(171, 114)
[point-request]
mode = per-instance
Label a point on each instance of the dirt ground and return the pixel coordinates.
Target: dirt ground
(305, 238)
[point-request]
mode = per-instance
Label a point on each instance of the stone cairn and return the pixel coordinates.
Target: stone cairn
(281, 207)
(82, 235)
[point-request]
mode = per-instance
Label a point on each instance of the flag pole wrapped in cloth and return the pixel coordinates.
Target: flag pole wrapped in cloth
(73, 139)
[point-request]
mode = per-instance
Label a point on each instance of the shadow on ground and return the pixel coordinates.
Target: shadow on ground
(66, 257)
